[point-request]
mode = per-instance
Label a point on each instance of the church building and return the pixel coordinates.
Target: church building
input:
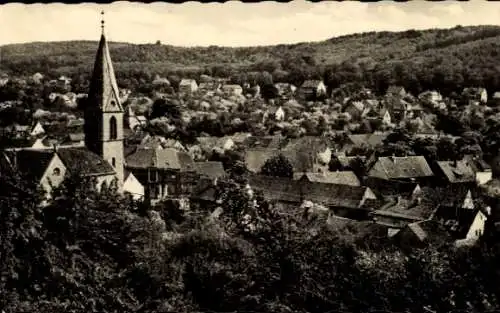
(102, 156)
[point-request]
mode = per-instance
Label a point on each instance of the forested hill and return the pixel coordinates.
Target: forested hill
(442, 58)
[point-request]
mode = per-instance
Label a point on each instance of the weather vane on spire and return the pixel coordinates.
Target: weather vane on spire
(102, 21)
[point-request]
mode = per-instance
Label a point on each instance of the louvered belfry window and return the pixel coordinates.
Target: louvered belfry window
(113, 129)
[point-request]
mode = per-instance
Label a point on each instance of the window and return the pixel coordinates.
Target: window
(113, 103)
(113, 162)
(113, 131)
(56, 171)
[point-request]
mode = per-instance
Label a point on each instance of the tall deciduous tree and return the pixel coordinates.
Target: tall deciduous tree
(278, 166)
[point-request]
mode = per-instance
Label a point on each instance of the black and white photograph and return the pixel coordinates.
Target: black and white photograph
(237, 157)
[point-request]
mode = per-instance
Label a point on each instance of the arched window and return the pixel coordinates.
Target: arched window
(113, 162)
(113, 132)
(56, 172)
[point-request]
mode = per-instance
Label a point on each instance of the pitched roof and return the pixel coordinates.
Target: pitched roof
(345, 161)
(457, 171)
(83, 161)
(168, 158)
(451, 196)
(408, 209)
(387, 188)
(186, 82)
(276, 188)
(103, 87)
(33, 163)
(311, 83)
(210, 169)
(76, 137)
(477, 164)
(340, 177)
(426, 231)
(371, 140)
(401, 167)
(334, 194)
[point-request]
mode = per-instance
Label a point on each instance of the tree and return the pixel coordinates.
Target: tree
(164, 107)
(278, 166)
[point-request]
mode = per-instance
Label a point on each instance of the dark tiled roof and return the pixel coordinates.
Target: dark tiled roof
(167, 158)
(210, 169)
(284, 189)
(34, 163)
(401, 167)
(276, 188)
(387, 188)
(371, 140)
(83, 161)
(457, 171)
(410, 209)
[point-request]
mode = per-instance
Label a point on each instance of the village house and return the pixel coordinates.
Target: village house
(210, 144)
(396, 91)
(188, 86)
(209, 87)
(312, 89)
(406, 169)
(74, 139)
(37, 129)
(481, 169)
(135, 122)
(455, 172)
(474, 96)
(285, 89)
(232, 90)
(133, 187)
(274, 112)
(431, 96)
(371, 140)
(458, 213)
(343, 200)
(398, 213)
(421, 234)
(75, 125)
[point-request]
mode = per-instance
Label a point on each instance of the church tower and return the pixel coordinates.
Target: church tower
(103, 112)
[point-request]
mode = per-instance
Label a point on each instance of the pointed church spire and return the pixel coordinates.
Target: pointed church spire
(104, 92)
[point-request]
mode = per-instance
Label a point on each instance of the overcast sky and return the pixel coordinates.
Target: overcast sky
(233, 23)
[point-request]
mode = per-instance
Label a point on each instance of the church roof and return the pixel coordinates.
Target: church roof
(103, 87)
(85, 162)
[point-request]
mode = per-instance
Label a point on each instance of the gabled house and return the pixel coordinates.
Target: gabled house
(371, 140)
(209, 87)
(457, 212)
(398, 213)
(164, 173)
(311, 89)
(409, 169)
(481, 169)
(37, 129)
(455, 172)
(133, 186)
(209, 144)
(285, 89)
(343, 200)
(421, 234)
(274, 112)
(188, 86)
(135, 122)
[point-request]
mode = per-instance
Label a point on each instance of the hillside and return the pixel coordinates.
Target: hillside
(461, 51)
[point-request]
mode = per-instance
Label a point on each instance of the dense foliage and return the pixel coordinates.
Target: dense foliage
(103, 253)
(445, 59)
